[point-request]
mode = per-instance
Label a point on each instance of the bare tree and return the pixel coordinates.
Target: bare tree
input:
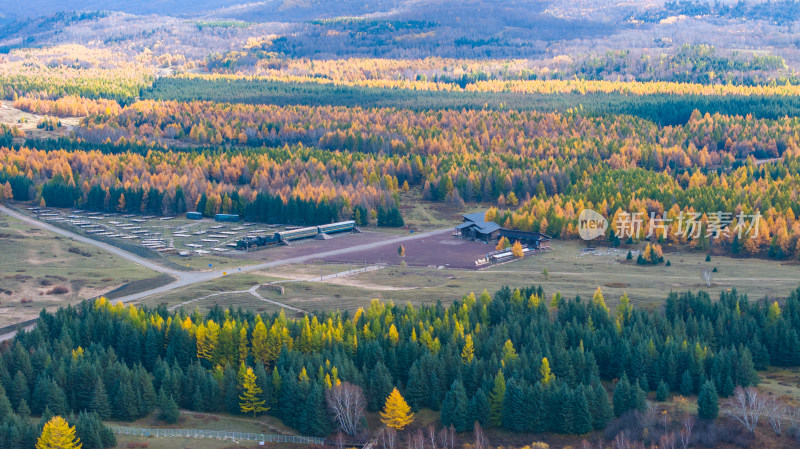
(346, 403)
(585, 444)
(451, 437)
(667, 441)
(443, 438)
(621, 441)
(686, 431)
(339, 440)
(388, 438)
(776, 412)
(648, 417)
(746, 406)
(707, 276)
(432, 436)
(480, 438)
(416, 440)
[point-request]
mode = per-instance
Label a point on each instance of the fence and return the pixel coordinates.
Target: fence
(218, 434)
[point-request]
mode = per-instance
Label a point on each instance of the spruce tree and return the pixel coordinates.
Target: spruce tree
(708, 402)
(581, 416)
(496, 399)
(600, 407)
(479, 407)
(662, 393)
(622, 396)
(455, 408)
(687, 384)
(99, 403)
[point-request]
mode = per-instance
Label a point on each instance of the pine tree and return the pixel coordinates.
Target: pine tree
(5, 405)
(479, 407)
(230, 384)
(396, 413)
(622, 396)
(581, 416)
(58, 434)
(600, 407)
(250, 400)
(99, 403)
(168, 408)
(662, 393)
(496, 398)
(708, 402)
(687, 384)
(455, 408)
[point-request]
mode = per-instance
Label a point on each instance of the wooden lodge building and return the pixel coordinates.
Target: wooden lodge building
(475, 227)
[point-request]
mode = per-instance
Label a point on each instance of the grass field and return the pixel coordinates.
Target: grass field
(43, 270)
(229, 283)
(572, 270)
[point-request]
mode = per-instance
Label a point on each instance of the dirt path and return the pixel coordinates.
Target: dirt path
(254, 289)
(184, 278)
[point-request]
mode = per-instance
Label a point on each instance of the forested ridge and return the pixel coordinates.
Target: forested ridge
(663, 103)
(515, 359)
(323, 163)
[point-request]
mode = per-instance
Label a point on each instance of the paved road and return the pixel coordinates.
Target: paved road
(186, 278)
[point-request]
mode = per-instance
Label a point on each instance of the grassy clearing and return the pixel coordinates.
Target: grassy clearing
(43, 270)
(218, 421)
(11, 116)
(571, 270)
(784, 383)
(231, 282)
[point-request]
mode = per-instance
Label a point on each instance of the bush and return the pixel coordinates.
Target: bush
(58, 290)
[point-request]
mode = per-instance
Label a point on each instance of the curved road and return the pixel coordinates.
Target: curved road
(186, 278)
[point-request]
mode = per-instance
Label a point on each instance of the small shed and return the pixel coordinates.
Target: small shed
(226, 217)
(194, 215)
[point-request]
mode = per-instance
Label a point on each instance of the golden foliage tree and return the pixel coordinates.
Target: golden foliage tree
(8, 194)
(547, 374)
(468, 352)
(503, 243)
(58, 434)
(396, 412)
(517, 251)
(250, 399)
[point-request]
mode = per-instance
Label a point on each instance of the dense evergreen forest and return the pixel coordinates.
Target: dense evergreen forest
(514, 360)
(662, 109)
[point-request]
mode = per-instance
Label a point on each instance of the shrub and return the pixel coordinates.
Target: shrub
(58, 290)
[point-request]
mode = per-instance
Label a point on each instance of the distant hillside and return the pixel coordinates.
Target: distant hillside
(36, 8)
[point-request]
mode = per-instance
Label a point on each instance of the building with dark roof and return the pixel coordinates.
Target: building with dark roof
(475, 227)
(534, 240)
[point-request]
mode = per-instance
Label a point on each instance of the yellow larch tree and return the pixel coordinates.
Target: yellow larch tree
(547, 374)
(396, 412)
(468, 353)
(58, 434)
(250, 400)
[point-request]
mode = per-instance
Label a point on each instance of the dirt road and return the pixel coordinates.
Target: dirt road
(186, 278)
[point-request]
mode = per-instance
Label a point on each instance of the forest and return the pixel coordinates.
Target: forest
(662, 103)
(515, 360)
(311, 165)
